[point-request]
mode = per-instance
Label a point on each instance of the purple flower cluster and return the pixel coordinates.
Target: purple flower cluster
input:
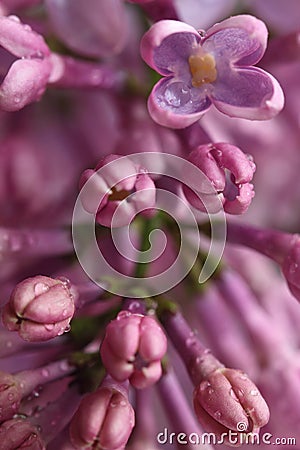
(149, 224)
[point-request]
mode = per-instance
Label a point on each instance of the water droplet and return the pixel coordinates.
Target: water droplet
(45, 373)
(244, 377)
(254, 392)
(40, 288)
(64, 366)
(27, 27)
(218, 415)
(49, 326)
(123, 315)
(191, 341)
(67, 329)
(65, 281)
(204, 385)
(10, 396)
(123, 403)
(17, 100)
(233, 395)
(240, 393)
(64, 313)
(14, 405)
(14, 18)
(35, 393)
(113, 404)
(177, 94)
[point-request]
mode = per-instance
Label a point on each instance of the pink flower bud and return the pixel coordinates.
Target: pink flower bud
(20, 433)
(10, 396)
(227, 398)
(104, 419)
(230, 172)
(117, 183)
(132, 348)
(27, 77)
(40, 308)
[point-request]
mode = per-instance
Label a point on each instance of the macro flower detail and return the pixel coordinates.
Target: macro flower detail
(40, 308)
(132, 349)
(104, 419)
(20, 433)
(227, 398)
(230, 171)
(216, 67)
(27, 62)
(116, 191)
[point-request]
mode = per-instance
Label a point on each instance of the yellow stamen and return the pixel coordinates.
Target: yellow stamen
(203, 69)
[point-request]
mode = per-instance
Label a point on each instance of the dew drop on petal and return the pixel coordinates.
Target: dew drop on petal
(123, 315)
(233, 395)
(45, 373)
(218, 415)
(14, 18)
(49, 326)
(67, 329)
(177, 94)
(40, 288)
(254, 392)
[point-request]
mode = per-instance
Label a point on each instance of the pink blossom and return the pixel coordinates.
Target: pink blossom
(132, 349)
(40, 308)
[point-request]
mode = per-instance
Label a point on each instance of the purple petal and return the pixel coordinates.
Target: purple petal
(175, 104)
(241, 39)
(20, 40)
(248, 93)
(167, 46)
(24, 83)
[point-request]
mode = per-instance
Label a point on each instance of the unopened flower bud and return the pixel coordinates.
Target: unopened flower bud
(230, 172)
(40, 308)
(104, 419)
(132, 349)
(10, 396)
(227, 398)
(27, 77)
(116, 183)
(20, 433)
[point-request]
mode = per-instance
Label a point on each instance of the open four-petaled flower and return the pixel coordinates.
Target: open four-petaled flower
(213, 67)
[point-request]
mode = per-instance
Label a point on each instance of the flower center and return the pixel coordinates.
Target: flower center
(203, 69)
(118, 195)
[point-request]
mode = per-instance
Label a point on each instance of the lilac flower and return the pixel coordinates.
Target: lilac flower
(40, 308)
(132, 349)
(20, 433)
(27, 77)
(214, 68)
(106, 191)
(104, 419)
(223, 397)
(235, 190)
